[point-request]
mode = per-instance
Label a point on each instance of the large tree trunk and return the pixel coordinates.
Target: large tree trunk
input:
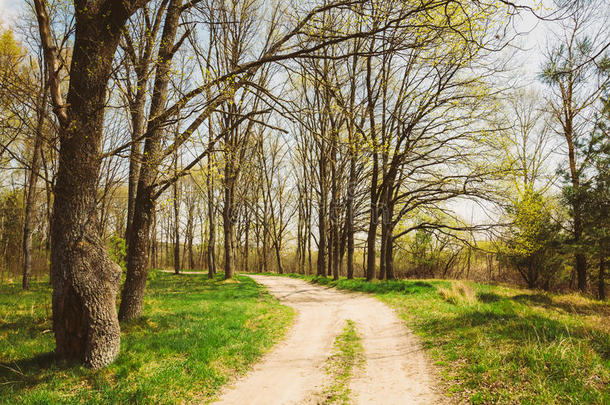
(85, 280)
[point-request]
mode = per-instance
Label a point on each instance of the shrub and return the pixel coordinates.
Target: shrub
(118, 251)
(459, 293)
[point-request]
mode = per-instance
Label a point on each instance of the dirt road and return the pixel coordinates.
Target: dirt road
(395, 370)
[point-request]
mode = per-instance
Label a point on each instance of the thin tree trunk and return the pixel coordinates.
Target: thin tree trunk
(176, 219)
(227, 222)
(581, 261)
(322, 225)
(330, 250)
(601, 285)
(373, 218)
(30, 202)
(137, 250)
(135, 155)
(166, 261)
(247, 243)
(350, 232)
(389, 254)
(154, 247)
(309, 236)
(384, 244)
(190, 236)
(212, 222)
(278, 257)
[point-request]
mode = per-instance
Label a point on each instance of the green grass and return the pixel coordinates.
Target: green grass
(347, 355)
(195, 336)
(502, 345)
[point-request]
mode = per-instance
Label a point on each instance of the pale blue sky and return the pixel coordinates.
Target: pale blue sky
(8, 8)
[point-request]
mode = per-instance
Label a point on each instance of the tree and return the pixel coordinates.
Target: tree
(575, 86)
(594, 191)
(85, 280)
(532, 244)
(23, 102)
(147, 192)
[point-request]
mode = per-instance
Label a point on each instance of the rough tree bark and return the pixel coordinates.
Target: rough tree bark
(85, 280)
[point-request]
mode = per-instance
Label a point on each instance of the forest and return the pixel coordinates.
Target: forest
(151, 145)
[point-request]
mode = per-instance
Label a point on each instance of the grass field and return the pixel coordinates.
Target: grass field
(194, 337)
(502, 345)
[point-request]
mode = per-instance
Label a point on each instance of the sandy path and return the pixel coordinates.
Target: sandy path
(395, 371)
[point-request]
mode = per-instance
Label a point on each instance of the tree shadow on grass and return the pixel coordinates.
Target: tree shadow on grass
(202, 288)
(379, 287)
(27, 373)
(584, 307)
(404, 287)
(518, 329)
(25, 326)
(488, 297)
(538, 299)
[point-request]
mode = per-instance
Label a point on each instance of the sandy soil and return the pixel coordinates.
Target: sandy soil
(395, 371)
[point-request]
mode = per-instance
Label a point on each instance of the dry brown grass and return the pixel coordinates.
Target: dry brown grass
(459, 293)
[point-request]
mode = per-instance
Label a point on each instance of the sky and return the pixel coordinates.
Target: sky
(8, 9)
(532, 41)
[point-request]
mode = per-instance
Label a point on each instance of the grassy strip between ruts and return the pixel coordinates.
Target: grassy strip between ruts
(496, 344)
(347, 355)
(196, 335)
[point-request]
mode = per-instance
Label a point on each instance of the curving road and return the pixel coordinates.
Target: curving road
(395, 371)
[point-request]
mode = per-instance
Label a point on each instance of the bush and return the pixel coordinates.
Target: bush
(118, 251)
(533, 244)
(460, 293)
